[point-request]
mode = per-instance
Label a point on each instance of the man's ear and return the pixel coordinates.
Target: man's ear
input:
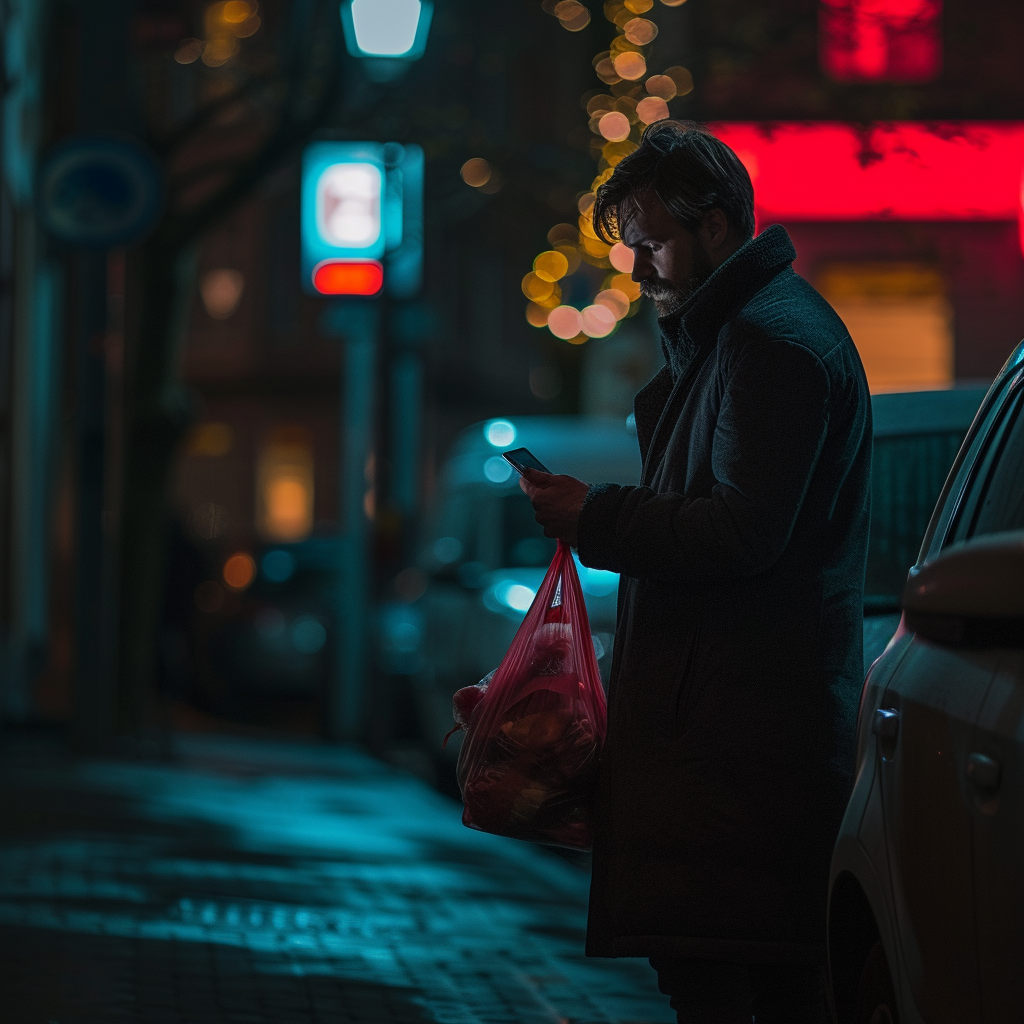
(714, 230)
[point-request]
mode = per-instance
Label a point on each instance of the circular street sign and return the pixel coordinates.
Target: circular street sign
(97, 191)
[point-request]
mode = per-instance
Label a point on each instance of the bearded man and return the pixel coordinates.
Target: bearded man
(738, 658)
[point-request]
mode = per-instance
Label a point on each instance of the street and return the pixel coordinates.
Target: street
(257, 882)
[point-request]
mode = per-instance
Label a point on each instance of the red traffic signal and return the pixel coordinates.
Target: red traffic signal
(348, 277)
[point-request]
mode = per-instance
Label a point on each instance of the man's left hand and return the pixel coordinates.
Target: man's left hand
(557, 501)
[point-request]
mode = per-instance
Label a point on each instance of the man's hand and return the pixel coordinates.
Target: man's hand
(557, 500)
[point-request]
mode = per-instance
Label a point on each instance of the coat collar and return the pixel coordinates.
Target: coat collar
(698, 320)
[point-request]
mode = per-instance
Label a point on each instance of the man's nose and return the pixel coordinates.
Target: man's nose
(642, 269)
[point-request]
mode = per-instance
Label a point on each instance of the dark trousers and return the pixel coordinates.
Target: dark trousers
(709, 992)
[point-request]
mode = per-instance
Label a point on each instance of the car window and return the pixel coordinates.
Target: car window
(998, 500)
(966, 472)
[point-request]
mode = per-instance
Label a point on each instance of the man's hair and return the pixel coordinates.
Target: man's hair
(688, 169)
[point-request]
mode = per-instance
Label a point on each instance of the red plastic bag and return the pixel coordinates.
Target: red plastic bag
(534, 730)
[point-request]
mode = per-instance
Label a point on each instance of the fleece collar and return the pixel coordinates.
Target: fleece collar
(698, 320)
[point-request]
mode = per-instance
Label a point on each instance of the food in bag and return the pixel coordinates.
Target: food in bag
(535, 726)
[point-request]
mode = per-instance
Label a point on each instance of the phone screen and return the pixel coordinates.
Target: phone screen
(523, 458)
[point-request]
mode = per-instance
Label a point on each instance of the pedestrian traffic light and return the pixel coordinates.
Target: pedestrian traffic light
(395, 29)
(362, 218)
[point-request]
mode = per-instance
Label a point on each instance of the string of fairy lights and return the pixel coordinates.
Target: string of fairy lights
(618, 115)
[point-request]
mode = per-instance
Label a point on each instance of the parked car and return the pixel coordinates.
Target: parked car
(926, 909)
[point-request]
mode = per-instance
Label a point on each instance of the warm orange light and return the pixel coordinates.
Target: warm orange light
(682, 77)
(616, 301)
(565, 322)
(614, 126)
(239, 571)
(348, 277)
(536, 288)
(621, 258)
(630, 66)
(536, 316)
(476, 172)
(638, 6)
(661, 85)
(652, 109)
(551, 266)
(598, 321)
(640, 31)
(625, 284)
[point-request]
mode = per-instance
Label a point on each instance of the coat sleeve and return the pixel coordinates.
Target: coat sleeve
(770, 430)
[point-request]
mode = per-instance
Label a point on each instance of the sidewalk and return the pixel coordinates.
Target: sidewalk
(257, 882)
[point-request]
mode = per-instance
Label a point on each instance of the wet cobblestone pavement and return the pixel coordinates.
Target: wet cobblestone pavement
(253, 882)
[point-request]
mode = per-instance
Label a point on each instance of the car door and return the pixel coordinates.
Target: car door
(926, 729)
(995, 763)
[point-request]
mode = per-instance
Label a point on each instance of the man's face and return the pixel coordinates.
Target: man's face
(670, 263)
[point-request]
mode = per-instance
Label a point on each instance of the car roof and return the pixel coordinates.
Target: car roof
(909, 413)
(598, 449)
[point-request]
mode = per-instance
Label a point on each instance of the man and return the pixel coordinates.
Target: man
(738, 659)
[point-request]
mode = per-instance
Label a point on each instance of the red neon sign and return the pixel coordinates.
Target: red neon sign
(880, 40)
(899, 171)
(348, 277)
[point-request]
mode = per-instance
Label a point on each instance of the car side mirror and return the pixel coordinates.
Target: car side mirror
(972, 595)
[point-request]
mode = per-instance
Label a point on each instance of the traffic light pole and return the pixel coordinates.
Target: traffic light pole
(358, 321)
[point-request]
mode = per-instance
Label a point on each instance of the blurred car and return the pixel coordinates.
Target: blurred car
(485, 556)
(926, 908)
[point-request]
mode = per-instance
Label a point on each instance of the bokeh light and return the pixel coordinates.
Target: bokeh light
(239, 571)
(572, 15)
(188, 51)
(625, 284)
(536, 316)
(630, 66)
(615, 125)
(579, 339)
(673, 3)
(601, 102)
(638, 6)
(536, 288)
(614, 300)
(565, 322)
(615, 152)
(476, 172)
(682, 77)
(560, 233)
(500, 433)
(551, 266)
(621, 258)
(652, 109)
(640, 31)
(606, 71)
(586, 203)
(661, 85)
(572, 257)
(595, 247)
(598, 321)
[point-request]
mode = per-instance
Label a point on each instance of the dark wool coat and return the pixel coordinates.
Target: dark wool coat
(738, 662)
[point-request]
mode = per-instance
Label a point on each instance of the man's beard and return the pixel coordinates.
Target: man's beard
(667, 296)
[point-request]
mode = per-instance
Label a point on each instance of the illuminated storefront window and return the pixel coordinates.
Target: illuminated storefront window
(880, 40)
(284, 486)
(900, 320)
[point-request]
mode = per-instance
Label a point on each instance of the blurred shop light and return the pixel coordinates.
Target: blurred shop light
(447, 550)
(396, 29)
(285, 487)
(476, 171)
(348, 277)
(209, 440)
(188, 51)
(497, 470)
(896, 171)
(565, 322)
(509, 594)
(500, 433)
(239, 571)
(621, 258)
(308, 634)
(278, 566)
(221, 291)
(880, 40)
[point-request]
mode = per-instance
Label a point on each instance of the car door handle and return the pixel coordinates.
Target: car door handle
(886, 724)
(984, 772)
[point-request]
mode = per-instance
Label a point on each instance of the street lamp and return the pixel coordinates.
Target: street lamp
(392, 29)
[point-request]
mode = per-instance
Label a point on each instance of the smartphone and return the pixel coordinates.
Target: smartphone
(523, 458)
